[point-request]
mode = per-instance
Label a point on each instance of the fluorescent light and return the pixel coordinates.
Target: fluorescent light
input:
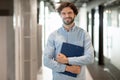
(57, 1)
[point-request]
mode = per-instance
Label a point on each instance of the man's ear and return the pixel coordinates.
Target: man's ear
(75, 15)
(60, 15)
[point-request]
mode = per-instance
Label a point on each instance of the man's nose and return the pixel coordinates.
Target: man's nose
(66, 15)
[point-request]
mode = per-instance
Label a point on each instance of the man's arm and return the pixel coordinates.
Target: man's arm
(88, 56)
(61, 58)
(49, 56)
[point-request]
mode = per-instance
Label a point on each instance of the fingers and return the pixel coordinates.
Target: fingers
(76, 69)
(73, 69)
(61, 58)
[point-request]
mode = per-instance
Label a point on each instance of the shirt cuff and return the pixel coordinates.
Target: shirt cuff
(63, 68)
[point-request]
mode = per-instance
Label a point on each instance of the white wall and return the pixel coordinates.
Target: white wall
(111, 37)
(83, 18)
(115, 52)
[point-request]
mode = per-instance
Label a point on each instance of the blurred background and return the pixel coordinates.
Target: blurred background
(26, 24)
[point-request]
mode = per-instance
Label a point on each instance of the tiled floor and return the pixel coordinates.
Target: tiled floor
(46, 74)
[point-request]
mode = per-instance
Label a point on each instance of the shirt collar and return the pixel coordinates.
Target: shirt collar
(72, 29)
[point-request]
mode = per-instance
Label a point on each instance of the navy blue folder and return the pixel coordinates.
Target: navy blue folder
(71, 50)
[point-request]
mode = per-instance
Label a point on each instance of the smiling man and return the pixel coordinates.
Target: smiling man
(71, 34)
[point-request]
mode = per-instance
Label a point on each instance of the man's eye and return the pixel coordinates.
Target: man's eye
(70, 13)
(63, 13)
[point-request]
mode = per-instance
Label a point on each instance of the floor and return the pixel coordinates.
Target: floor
(104, 72)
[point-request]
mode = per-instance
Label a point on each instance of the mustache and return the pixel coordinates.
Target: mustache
(68, 18)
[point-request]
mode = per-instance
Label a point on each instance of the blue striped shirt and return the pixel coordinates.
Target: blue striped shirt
(75, 36)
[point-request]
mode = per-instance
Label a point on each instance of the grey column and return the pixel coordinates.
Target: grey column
(25, 23)
(101, 57)
(92, 24)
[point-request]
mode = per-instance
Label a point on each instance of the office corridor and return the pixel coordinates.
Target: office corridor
(26, 24)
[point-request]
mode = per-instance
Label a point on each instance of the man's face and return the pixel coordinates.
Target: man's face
(67, 16)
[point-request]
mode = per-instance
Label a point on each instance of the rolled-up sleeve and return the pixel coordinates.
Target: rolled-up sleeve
(88, 56)
(49, 56)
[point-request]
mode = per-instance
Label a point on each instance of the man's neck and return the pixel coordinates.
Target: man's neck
(68, 27)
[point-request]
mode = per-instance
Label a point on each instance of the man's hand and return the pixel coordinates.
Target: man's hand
(61, 58)
(73, 69)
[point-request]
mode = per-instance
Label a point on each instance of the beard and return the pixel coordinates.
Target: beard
(68, 20)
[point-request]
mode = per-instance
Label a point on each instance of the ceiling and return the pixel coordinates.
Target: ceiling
(79, 3)
(112, 4)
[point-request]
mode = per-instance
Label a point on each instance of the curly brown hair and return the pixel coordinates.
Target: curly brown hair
(67, 4)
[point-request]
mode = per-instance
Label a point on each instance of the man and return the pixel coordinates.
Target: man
(68, 33)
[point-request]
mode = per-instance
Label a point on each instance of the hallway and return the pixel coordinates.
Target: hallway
(26, 24)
